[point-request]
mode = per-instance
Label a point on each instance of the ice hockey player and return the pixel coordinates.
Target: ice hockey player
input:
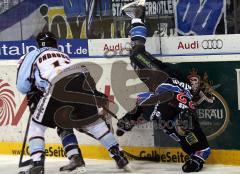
(35, 72)
(68, 138)
(168, 102)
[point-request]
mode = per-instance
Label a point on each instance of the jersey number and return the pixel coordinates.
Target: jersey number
(182, 99)
(57, 63)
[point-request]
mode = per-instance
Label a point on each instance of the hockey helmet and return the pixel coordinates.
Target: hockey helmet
(46, 39)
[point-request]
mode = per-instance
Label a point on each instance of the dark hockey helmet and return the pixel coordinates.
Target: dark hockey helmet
(46, 39)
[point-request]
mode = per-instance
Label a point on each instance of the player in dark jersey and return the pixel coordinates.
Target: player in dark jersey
(168, 102)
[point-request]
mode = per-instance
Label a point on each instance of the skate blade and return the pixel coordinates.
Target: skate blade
(22, 172)
(127, 168)
(141, 2)
(78, 170)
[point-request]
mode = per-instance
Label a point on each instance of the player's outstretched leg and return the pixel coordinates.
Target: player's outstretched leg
(101, 132)
(193, 141)
(36, 148)
(135, 9)
(73, 152)
(119, 157)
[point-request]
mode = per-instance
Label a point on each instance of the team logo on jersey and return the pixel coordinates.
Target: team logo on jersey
(7, 104)
(212, 109)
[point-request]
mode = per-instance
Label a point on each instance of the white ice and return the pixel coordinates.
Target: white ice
(8, 165)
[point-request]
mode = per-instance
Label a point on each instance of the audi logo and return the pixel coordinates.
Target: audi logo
(212, 44)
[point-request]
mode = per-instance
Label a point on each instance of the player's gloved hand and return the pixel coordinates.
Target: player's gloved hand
(123, 125)
(33, 98)
(194, 164)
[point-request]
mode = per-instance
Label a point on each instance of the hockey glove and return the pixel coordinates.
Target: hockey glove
(194, 164)
(33, 98)
(123, 125)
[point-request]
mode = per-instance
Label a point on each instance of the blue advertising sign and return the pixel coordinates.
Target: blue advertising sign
(195, 17)
(75, 48)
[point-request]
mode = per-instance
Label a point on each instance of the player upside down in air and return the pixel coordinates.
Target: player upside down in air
(168, 102)
(36, 71)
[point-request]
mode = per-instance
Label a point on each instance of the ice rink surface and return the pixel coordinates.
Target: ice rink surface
(8, 165)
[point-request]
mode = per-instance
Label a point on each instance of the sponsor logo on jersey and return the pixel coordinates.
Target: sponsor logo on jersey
(181, 84)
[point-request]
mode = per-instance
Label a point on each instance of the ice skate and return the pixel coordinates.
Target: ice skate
(194, 164)
(134, 9)
(121, 160)
(141, 3)
(36, 168)
(76, 166)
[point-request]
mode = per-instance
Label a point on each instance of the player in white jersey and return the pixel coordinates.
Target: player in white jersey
(36, 71)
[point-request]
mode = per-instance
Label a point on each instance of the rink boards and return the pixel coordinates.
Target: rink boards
(213, 58)
(163, 155)
(144, 140)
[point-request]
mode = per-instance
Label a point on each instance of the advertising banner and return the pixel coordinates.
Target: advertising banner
(217, 98)
(103, 19)
(75, 48)
(170, 46)
(217, 89)
(216, 83)
(200, 17)
(200, 45)
(112, 48)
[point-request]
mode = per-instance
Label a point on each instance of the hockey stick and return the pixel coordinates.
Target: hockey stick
(110, 112)
(27, 162)
(162, 97)
(138, 158)
(30, 98)
(129, 155)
